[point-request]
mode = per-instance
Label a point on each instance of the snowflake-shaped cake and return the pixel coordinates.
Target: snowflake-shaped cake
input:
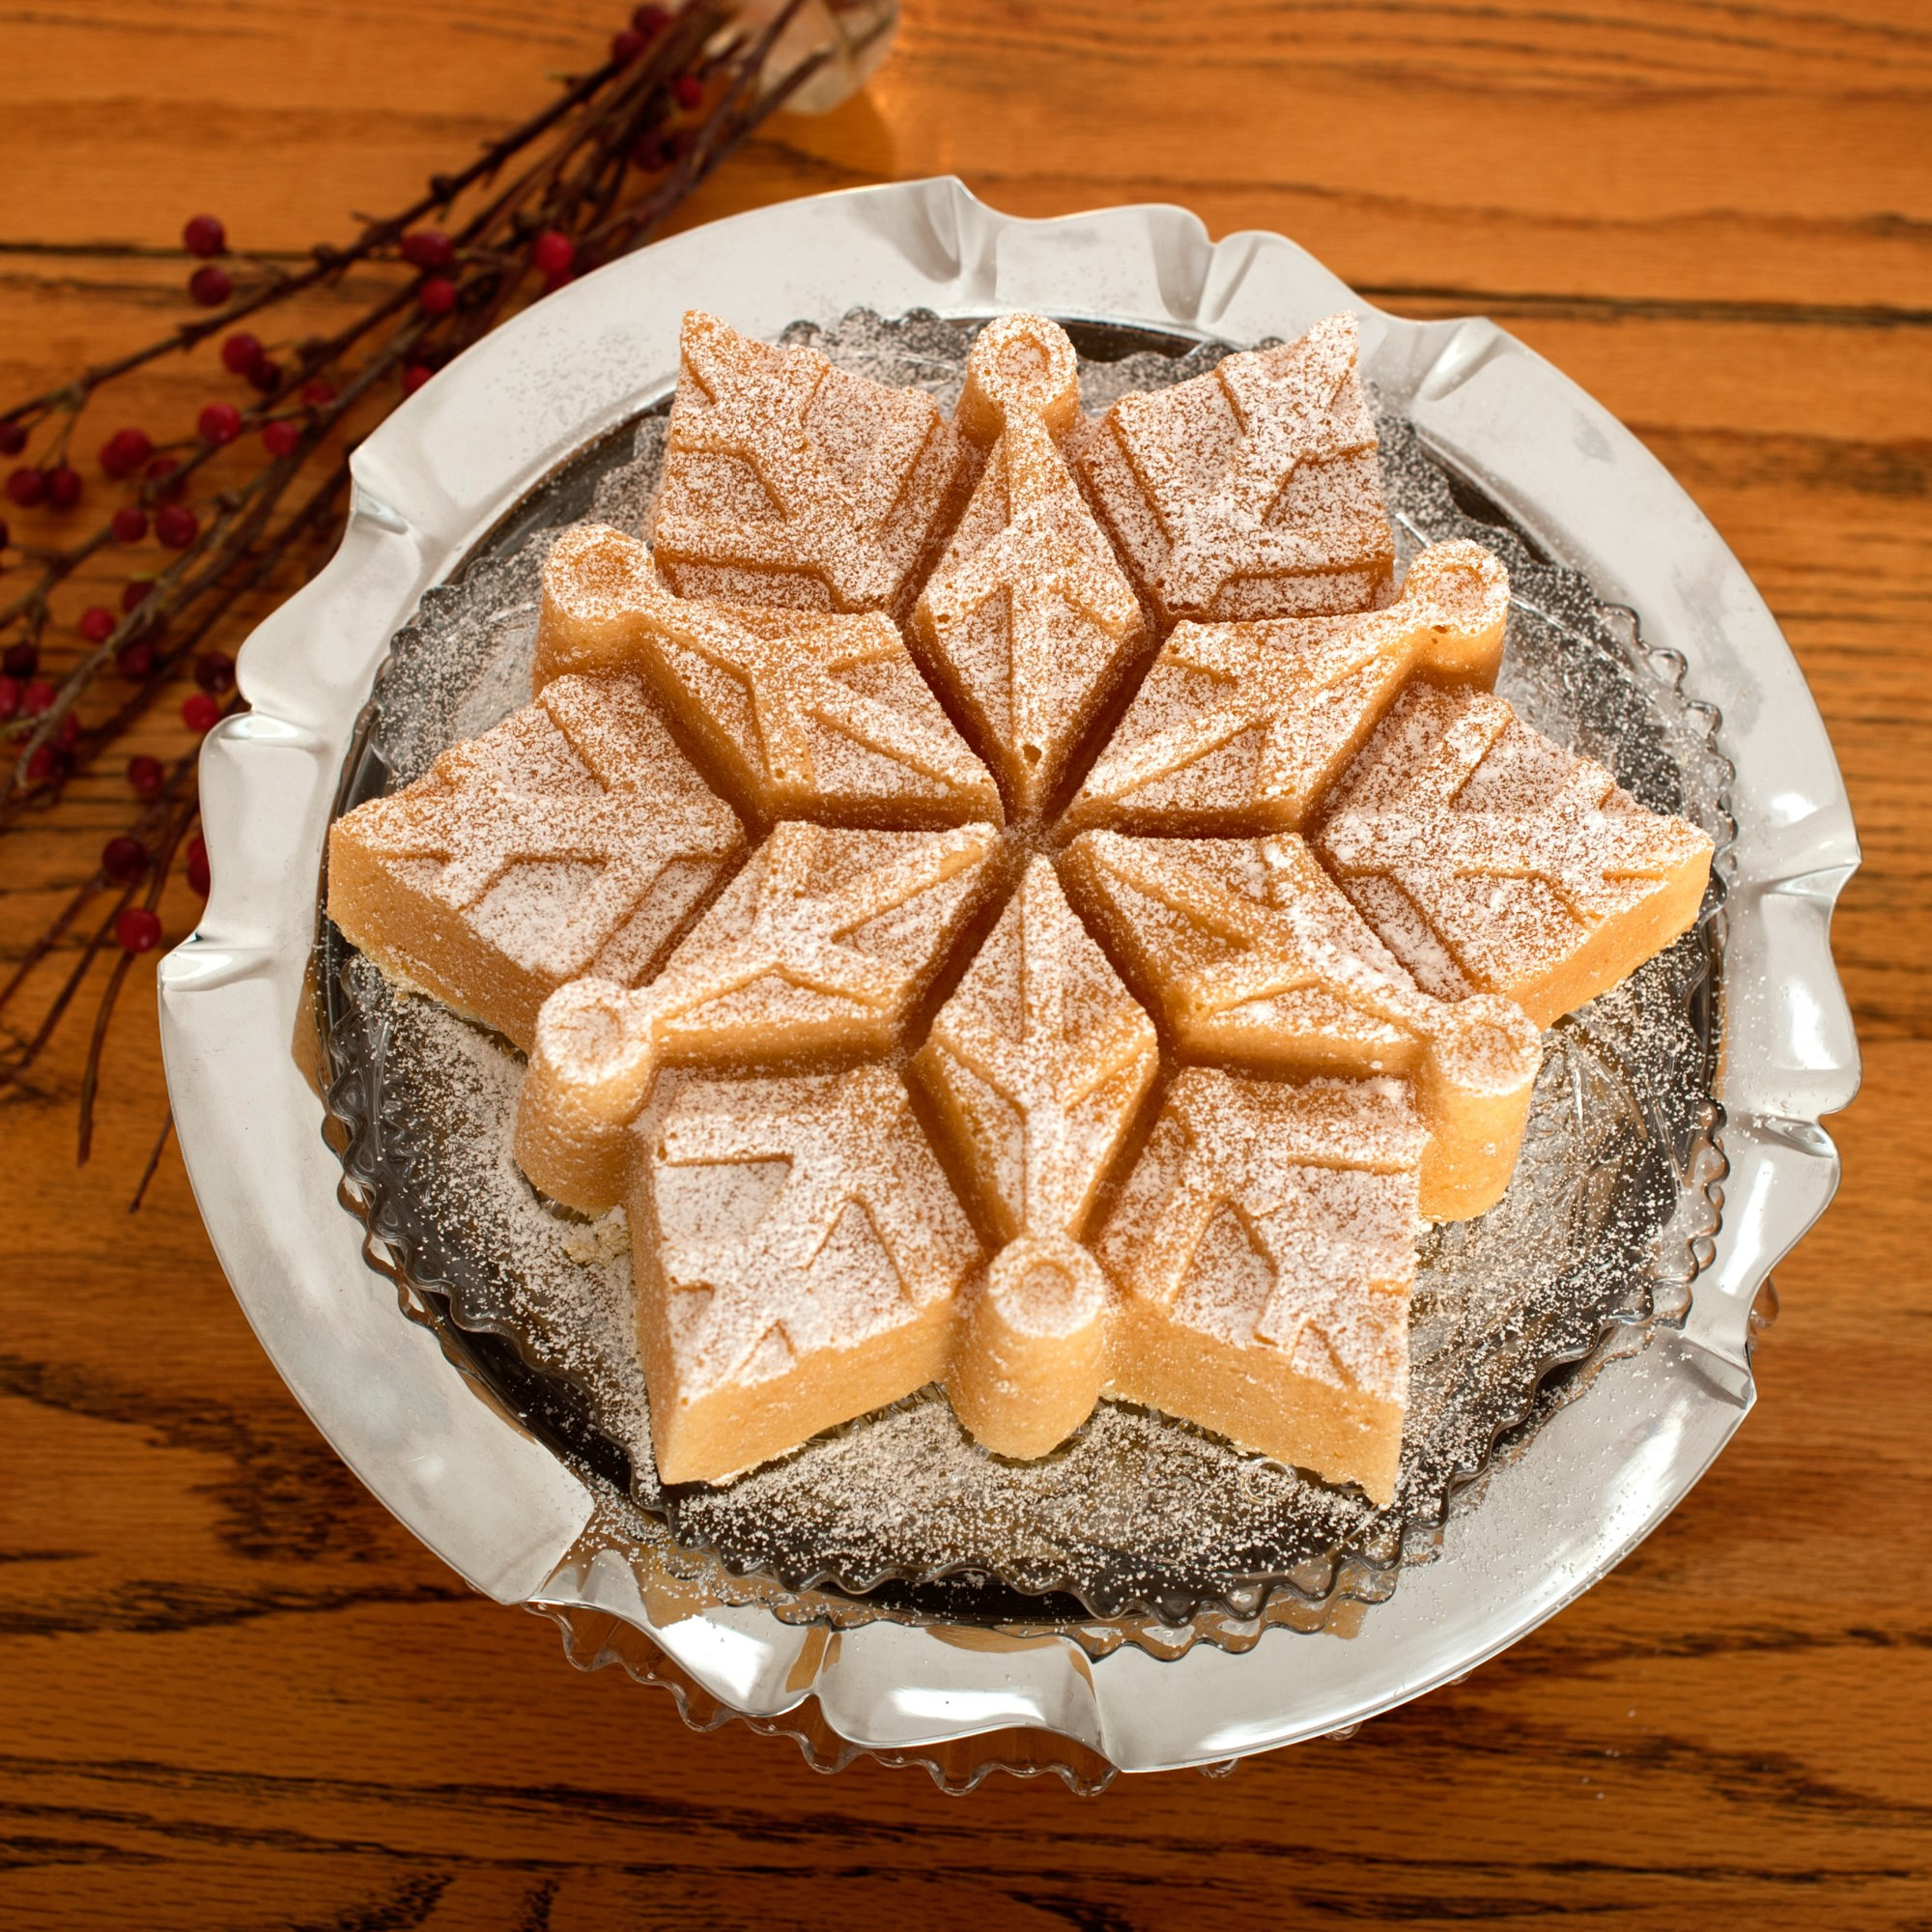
(1142, 918)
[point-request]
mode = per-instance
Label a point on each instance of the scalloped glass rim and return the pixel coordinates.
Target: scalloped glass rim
(1583, 663)
(490, 1498)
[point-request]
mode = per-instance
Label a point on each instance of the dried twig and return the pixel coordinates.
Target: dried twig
(593, 174)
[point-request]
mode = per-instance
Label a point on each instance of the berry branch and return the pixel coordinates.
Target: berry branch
(249, 499)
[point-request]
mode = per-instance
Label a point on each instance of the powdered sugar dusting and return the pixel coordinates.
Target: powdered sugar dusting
(1243, 727)
(1513, 852)
(1252, 492)
(1028, 619)
(787, 481)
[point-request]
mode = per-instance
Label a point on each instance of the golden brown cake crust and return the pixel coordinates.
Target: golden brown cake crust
(1028, 623)
(1265, 1244)
(818, 946)
(1243, 727)
(797, 714)
(573, 838)
(801, 1255)
(1489, 860)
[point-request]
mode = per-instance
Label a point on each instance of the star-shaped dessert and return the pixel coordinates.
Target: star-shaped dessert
(1126, 957)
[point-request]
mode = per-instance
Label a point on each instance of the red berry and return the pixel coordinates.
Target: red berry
(552, 251)
(134, 593)
(197, 867)
(13, 439)
(131, 525)
(652, 20)
(145, 775)
(200, 712)
(211, 286)
(38, 697)
(176, 525)
(204, 235)
(428, 248)
(689, 91)
(70, 728)
(318, 394)
(136, 660)
(214, 670)
(64, 485)
(123, 860)
(219, 422)
(48, 762)
(9, 697)
(438, 295)
(27, 486)
(161, 471)
(240, 352)
(648, 152)
(96, 623)
(280, 439)
(137, 929)
(414, 376)
(6, 535)
(626, 46)
(266, 377)
(125, 451)
(20, 660)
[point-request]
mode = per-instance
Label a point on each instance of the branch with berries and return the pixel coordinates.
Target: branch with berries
(247, 500)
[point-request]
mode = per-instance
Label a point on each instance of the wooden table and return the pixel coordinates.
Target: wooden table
(234, 1693)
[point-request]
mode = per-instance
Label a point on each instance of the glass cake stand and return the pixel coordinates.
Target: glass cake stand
(448, 469)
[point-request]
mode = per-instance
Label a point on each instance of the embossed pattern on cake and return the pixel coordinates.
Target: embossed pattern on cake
(573, 838)
(1256, 959)
(1241, 728)
(1028, 621)
(1264, 1245)
(1250, 491)
(818, 946)
(787, 481)
(1038, 1063)
(1491, 859)
(801, 714)
(1106, 1080)
(799, 1245)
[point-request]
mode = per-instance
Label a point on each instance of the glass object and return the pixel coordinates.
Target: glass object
(854, 36)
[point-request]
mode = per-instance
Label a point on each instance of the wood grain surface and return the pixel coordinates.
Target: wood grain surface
(234, 1693)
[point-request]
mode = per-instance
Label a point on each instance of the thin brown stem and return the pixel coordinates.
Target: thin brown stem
(175, 786)
(329, 261)
(575, 166)
(90, 1076)
(149, 1172)
(15, 1072)
(229, 540)
(90, 1079)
